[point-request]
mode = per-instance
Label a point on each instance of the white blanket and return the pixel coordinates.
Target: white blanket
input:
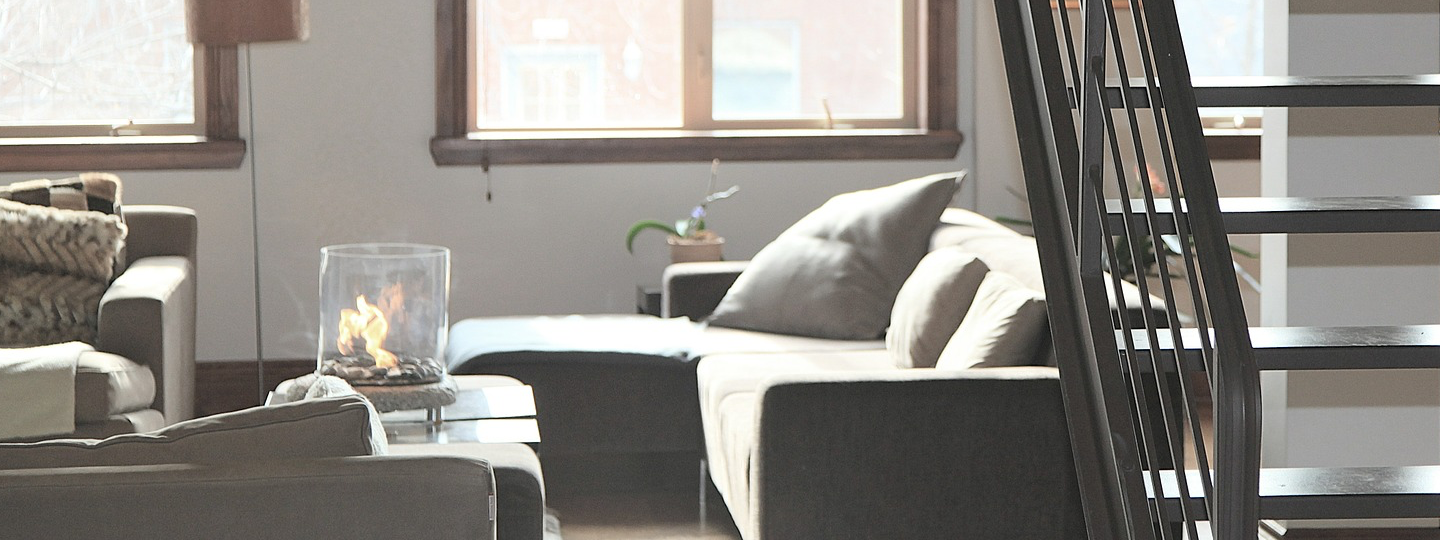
(37, 390)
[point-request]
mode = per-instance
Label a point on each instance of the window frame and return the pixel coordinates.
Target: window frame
(937, 137)
(219, 147)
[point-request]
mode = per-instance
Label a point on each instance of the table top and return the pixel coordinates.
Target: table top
(491, 430)
(477, 403)
(486, 410)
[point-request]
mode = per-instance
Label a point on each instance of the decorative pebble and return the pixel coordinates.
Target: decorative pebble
(361, 370)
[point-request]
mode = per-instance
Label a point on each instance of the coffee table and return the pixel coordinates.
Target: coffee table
(487, 409)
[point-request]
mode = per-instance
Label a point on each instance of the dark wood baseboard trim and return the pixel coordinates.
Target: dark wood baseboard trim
(230, 385)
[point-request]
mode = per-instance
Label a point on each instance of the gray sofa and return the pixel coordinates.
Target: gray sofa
(303, 470)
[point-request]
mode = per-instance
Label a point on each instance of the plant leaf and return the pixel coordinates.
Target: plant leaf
(721, 194)
(642, 225)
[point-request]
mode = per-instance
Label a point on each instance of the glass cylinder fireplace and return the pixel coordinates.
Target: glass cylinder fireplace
(383, 313)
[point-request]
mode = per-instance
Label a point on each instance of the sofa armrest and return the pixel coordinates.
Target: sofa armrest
(916, 453)
(694, 289)
(148, 316)
(354, 497)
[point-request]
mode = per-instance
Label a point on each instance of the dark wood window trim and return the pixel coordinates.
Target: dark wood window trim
(220, 148)
(1233, 147)
(938, 137)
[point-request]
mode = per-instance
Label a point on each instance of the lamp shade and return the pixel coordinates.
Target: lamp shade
(231, 22)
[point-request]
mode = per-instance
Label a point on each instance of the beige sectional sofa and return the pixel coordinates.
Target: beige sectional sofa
(819, 438)
(947, 423)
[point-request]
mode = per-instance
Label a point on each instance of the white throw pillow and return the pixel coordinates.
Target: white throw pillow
(931, 304)
(1005, 326)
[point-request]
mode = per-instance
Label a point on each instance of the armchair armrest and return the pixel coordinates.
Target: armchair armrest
(694, 289)
(352, 497)
(148, 316)
(915, 453)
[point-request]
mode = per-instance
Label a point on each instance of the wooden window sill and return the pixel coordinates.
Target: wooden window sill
(119, 153)
(670, 146)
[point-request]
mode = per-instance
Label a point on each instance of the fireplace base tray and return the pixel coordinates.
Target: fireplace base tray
(411, 396)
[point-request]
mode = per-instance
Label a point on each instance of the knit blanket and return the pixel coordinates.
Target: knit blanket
(37, 390)
(55, 265)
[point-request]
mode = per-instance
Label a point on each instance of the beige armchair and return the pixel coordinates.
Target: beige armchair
(141, 375)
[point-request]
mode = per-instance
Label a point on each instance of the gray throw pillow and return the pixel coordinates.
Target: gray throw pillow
(835, 273)
(1004, 326)
(931, 304)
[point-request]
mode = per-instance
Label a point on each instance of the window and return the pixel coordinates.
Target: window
(112, 85)
(676, 80)
(1223, 39)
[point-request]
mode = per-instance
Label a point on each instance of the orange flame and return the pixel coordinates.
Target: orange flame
(370, 322)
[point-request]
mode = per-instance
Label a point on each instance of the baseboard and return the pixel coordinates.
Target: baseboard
(230, 385)
(1277, 531)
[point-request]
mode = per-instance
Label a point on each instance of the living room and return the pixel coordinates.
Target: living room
(338, 133)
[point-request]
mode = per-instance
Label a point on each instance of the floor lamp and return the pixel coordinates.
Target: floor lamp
(242, 22)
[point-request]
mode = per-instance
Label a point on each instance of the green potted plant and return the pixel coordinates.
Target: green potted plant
(688, 238)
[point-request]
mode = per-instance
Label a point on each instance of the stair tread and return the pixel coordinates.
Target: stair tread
(1313, 347)
(1302, 91)
(1335, 492)
(1253, 215)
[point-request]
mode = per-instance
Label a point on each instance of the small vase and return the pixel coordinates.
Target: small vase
(704, 248)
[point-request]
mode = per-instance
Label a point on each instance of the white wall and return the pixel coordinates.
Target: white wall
(343, 124)
(1358, 418)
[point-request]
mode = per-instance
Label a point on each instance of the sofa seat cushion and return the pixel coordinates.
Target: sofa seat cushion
(713, 340)
(727, 385)
(108, 384)
(603, 384)
(642, 336)
(141, 421)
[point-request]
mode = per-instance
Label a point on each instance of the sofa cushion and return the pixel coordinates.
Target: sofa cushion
(713, 340)
(93, 191)
(728, 384)
(930, 305)
(108, 384)
(1003, 327)
(835, 272)
(641, 336)
(139, 421)
(1002, 250)
(322, 427)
